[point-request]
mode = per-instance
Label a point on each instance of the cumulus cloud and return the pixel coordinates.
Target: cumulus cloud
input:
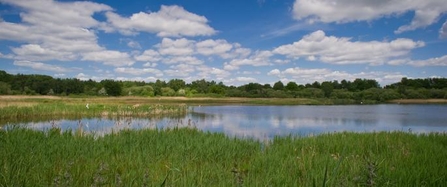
(37, 52)
(168, 21)
(183, 59)
(139, 71)
(308, 75)
(41, 66)
(443, 30)
(259, 58)
(177, 47)
(109, 57)
(67, 31)
(180, 70)
(64, 31)
(334, 50)
(148, 56)
(213, 47)
(438, 61)
(342, 11)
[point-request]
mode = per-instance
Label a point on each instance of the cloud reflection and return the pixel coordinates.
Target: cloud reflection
(266, 122)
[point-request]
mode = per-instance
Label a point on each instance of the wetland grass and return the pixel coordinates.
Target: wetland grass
(50, 109)
(189, 157)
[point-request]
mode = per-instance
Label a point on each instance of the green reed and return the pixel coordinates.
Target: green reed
(188, 157)
(60, 109)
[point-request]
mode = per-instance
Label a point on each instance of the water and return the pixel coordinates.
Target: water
(265, 122)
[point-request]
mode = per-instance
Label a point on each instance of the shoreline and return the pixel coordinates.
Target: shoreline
(27, 100)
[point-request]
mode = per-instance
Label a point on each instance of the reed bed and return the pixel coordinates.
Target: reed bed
(72, 110)
(189, 157)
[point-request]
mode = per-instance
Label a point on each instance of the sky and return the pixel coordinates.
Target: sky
(235, 42)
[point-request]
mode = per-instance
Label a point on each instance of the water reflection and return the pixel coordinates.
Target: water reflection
(265, 122)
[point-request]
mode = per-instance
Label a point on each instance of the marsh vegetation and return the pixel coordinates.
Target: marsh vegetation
(188, 157)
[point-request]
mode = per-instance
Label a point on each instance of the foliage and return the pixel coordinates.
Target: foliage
(360, 89)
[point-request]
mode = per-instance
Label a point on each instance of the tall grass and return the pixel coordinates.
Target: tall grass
(188, 157)
(73, 110)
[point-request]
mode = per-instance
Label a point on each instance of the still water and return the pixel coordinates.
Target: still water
(265, 122)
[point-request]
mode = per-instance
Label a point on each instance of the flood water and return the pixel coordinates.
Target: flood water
(265, 122)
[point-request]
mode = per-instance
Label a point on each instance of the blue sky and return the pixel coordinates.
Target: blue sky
(232, 41)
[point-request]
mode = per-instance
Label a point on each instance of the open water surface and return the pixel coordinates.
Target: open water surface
(265, 122)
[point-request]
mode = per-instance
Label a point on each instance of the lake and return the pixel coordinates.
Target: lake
(265, 122)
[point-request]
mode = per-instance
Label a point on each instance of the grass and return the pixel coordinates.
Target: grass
(188, 157)
(46, 108)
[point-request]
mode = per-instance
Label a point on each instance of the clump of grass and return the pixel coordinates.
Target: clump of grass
(188, 157)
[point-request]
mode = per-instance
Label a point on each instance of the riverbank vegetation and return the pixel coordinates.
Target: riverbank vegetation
(188, 157)
(22, 108)
(344, 91)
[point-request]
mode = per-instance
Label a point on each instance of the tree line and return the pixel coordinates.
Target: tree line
(358, 90)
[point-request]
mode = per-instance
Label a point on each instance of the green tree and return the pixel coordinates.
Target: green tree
(327, 88)
(292, 86)
(5, 88)
(278, 86)
(166, 91)
(217, 89)
(176, 84)
(200, 85)
(112, 87)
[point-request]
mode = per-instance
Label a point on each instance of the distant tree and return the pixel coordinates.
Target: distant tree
(316, 84)
(112, 87)
(166, 91)
(200, 85)
(292, 86)
(267, 86)
(327, 88)
(217, 89)
(278, 86)
(5, 88)
(176, 84)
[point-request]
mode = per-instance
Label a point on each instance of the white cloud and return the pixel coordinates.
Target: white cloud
(53, 30)
(109, 57)
(148, 64)
(342, 11)
(36, 52)
(180, 70)
(239, 80)
(176, 47)
(274, 72)
(183, 59)
(139, 71)
(41, 66)
(330, 49)
(306, 75)
(168, 21)
(245, 79)
(259, 58)
(213, 47)
(206, 72)
(438, 61)
(78, 14)
(149, 56)
(134, 44)
(443, 30)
